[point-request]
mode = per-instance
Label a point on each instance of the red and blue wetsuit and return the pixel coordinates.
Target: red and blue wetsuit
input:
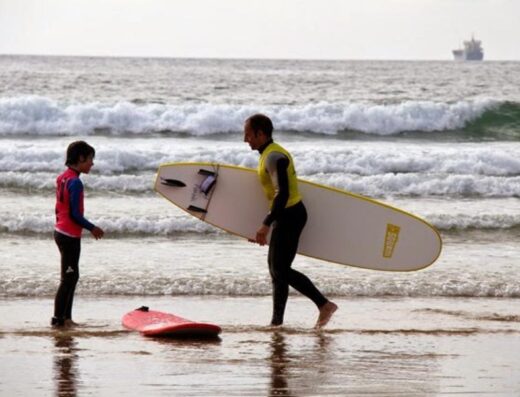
(69, 205)
(70, 222)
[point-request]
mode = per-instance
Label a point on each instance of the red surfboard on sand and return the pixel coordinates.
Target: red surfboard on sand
(154, 323)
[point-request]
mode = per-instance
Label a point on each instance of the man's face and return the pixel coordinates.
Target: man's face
(254, 140)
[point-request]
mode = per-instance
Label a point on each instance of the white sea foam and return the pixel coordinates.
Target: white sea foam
(221, 265)
(129, 156)
(153, 225)
(133, 284)
(167, 224)
(424, 185)
(37, 115)
(388, 184)
(485, 173)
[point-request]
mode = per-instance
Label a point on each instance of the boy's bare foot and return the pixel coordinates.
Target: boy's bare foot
(326, 312)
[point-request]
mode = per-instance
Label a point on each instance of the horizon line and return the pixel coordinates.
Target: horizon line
(253, 58)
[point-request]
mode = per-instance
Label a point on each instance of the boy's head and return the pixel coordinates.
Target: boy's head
(78, 152)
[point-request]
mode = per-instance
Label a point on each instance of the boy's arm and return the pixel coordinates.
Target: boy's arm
(75, 189)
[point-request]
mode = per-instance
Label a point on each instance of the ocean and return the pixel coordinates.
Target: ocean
(438, 139)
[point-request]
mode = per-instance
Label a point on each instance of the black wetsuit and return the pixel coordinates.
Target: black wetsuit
(287, 226)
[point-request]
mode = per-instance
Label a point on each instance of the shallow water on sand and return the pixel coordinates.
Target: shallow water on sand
(390, 346)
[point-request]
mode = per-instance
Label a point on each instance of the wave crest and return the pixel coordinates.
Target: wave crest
(35, 115)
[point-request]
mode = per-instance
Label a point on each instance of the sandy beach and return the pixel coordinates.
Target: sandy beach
(379, 347)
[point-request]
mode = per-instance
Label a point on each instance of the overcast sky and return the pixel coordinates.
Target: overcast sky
(308, 29)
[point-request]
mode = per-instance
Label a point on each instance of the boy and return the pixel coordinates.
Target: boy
(69, 225)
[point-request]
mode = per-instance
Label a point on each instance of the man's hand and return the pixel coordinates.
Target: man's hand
(97, 232)
(261, 234)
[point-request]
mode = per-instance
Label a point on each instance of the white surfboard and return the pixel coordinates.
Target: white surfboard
(342, 227)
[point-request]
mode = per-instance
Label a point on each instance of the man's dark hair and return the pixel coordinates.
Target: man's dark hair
(78, 149)
(260, 122)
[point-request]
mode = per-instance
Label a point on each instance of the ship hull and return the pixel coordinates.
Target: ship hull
(464, 56)
(474, 57)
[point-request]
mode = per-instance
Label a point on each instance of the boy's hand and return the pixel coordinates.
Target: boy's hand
(97, 232)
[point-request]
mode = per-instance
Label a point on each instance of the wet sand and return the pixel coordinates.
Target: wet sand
(376, 347)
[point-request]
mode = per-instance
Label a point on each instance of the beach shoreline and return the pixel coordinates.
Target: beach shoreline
(373, 346)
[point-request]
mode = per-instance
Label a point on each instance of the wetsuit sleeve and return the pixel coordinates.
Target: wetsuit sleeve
(75, 187)
(277, 165)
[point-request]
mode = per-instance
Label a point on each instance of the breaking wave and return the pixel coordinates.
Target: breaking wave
(475, 119)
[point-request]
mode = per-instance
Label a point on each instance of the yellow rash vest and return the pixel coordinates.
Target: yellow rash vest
(265, 178)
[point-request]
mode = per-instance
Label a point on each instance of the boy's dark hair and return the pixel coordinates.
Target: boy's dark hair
(78, 149)
(260, 122)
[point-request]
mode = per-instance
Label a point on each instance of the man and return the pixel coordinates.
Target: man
(287, 217)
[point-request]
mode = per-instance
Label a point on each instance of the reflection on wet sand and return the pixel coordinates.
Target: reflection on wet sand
(278, 359)
(65, 366)
(325, 364)
(306, 367)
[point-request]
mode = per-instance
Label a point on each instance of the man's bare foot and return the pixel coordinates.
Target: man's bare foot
(326, 312)
(69, 323)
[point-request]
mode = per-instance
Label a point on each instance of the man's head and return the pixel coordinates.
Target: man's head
(80, 156)
(258, 129)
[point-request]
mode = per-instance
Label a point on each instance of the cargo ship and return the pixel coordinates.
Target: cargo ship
(472, 51)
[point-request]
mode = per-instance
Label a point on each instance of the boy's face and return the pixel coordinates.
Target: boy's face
(85, 164)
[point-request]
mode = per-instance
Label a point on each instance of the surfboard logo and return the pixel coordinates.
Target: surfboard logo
(391, 237)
